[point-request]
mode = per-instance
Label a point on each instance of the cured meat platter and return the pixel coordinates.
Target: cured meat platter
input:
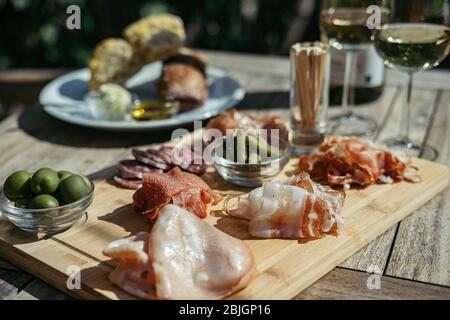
(283, 267)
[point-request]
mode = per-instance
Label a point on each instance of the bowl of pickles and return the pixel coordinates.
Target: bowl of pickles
(248, 159)
(45, 201)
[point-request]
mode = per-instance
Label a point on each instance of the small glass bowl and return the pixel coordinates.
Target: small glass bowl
(251, 175)
(46, 221)
(155, 110)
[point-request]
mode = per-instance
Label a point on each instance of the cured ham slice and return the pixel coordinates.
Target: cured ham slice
(183, 257)
(295, 209)
(233, 119)
(350, 161)
(177, 187)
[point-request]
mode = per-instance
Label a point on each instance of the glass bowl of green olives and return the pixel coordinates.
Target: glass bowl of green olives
(247, 159)
(46, 201)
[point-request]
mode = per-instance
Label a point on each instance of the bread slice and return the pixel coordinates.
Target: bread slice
(183, 79)
(155, 37)
(113, 61)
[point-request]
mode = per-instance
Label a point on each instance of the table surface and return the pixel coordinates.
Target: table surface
(410, 261)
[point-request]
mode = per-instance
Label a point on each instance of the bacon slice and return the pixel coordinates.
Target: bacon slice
(350, 161)
(295, 209)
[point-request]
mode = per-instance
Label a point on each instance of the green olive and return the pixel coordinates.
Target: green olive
(63, 174)
(23, 202)
(44, 201)
(44, 181)
(58, 196)
(17, 185)
(73, 188)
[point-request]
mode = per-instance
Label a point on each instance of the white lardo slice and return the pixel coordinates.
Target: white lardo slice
(183, 257)
(193, 260)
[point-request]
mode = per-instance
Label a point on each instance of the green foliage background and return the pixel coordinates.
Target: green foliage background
(33, 32)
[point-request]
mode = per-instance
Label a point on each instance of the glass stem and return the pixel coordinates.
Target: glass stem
(348, 79)
(406, 116)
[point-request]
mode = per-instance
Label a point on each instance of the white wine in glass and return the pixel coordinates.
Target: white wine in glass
(416, 42)
(344, 23)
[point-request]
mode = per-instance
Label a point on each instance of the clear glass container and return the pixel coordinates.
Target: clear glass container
(309, 95)
(252, 175)
(46, 221)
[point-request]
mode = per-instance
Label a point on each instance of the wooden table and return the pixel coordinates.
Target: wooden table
(412, 258)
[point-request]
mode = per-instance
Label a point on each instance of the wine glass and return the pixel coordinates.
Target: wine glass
(416, 39)
(344, 24)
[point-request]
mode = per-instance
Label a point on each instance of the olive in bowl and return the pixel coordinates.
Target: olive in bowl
(17, 185)
(44, 212)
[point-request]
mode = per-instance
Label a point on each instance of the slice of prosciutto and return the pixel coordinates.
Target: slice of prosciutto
(183, 257)
(294, 209)
(350, 161)
(176, 187)
(234, 119)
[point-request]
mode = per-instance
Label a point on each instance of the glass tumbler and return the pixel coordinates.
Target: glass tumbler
(309, 98)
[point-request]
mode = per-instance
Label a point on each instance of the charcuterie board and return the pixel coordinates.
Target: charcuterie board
(284, 267)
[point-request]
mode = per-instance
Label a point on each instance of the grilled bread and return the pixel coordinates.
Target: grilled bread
(183, 78)
(113, 61)
(155, 37)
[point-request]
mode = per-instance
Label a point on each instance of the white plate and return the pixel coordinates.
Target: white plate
(63, 98)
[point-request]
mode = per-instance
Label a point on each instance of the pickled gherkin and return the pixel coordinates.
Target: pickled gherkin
(247, 148)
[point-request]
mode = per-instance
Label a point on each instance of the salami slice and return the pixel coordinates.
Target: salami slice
(188, 160)
(132, 169)
(183, 156)
(166, 153)
(133, 184)
(197, 169)
(156, 156)
(150, 158)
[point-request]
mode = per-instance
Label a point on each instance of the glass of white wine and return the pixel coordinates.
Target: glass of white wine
(344, 24)
(417, 39)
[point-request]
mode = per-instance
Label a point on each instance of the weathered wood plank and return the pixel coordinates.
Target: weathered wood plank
(343, 284)
(39, 290)
(11, 282)
(422, 247)
(376, 253)
(4, 265)
(279, 66)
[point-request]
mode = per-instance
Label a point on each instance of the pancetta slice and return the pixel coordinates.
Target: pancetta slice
(295, 209)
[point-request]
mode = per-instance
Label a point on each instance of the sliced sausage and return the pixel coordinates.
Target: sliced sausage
(132, 169)
(133, 184)
(150, 158)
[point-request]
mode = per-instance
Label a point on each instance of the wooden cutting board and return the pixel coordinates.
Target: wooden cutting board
(284, 267)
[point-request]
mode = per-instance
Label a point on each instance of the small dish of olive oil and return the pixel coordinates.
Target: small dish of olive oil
(155, 110)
